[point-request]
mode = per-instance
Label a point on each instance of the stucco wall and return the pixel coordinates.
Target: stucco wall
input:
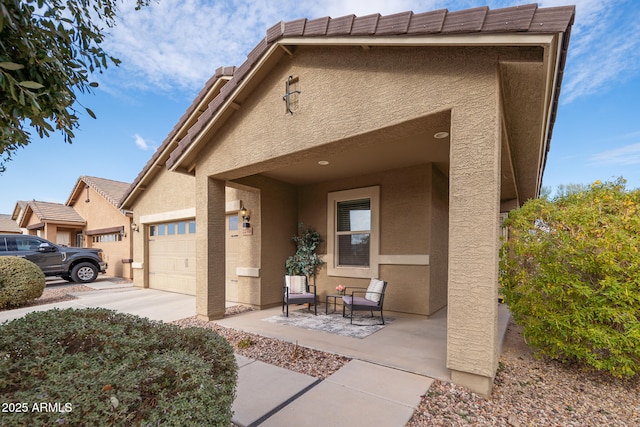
(404, 211)
(277, 224)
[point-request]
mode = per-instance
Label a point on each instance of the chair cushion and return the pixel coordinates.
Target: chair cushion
(374, 290)
(305, 296)
(296, 284)
(359, 301)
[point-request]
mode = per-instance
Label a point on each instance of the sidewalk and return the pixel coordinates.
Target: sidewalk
(359, 394)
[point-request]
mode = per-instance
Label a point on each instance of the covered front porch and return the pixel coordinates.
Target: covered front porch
(409, 343)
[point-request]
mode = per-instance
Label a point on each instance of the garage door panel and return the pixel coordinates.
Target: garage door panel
(172, 263)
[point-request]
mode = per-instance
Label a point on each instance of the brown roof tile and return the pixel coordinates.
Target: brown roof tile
(427, 22)
(365, 25)
(340, 26)
(516, 18)
(55, 212)
(465, 21)
(111, 190)
(294, 28)
(394, 24)
(8, 224)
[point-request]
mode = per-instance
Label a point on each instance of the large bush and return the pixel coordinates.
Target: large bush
(570, 273)
(20, 281)
(99, 367)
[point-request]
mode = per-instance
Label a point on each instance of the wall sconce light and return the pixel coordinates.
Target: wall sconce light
(134, 227)
(244, 213)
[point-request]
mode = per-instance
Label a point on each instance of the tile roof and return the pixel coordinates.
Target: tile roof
(111, 190)
(54, 212)
(482, 20)
(8, 225)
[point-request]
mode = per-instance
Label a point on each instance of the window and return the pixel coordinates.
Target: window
(352, 238)
(104, 238)
(353, 232)
(172, 228)
(182, 227)
(233, 222)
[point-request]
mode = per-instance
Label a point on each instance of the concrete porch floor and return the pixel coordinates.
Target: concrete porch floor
(409, 343)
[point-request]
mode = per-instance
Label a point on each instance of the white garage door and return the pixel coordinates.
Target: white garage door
(172, 256)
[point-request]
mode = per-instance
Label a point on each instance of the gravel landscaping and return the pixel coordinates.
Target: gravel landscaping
(527, 391)
(56, 294)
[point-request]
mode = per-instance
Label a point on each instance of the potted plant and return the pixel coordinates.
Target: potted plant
(305, 261)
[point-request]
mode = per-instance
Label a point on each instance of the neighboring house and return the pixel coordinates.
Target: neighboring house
(8, 225)
(400, 138)
(107, 227)
(90, 219)
(55, 222)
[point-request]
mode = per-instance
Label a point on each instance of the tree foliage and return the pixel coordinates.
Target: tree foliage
(570, 273)
(48, 50)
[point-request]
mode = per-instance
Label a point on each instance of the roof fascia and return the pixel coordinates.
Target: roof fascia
(154, 167)
(229, 103)
(475, 39)
(76, 189)
(544, 40)
(554, 79)
(26, 215)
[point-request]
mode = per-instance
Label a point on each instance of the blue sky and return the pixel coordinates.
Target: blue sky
(170, 49)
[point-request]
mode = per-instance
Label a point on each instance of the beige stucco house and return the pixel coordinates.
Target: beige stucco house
(90, 218)
(400, 138)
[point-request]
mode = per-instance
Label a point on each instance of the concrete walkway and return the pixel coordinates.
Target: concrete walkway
(380, 386)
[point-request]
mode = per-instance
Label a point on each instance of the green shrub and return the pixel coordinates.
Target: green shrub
(570, 273)
(20, 281)
(105, 368)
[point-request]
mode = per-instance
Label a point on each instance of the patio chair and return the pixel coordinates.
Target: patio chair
(372, 299)
(297, 290)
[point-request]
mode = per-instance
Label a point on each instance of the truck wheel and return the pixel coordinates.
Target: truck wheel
(84, 272)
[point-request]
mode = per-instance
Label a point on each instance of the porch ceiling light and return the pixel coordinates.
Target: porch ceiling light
(441, 135)
(323, 162)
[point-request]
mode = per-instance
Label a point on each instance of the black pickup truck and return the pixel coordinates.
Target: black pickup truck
(77, 264)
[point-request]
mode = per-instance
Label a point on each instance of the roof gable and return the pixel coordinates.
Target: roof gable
(111, 190)
(480, 21)
(51, 212)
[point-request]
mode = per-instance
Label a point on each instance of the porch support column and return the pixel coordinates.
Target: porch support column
(474, 202)
(210, 248)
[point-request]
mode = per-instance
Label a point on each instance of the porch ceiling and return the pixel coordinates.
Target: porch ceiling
(400, 146)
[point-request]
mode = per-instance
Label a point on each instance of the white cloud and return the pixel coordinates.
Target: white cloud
(178, 44)
(624, 156)
(142, 144)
